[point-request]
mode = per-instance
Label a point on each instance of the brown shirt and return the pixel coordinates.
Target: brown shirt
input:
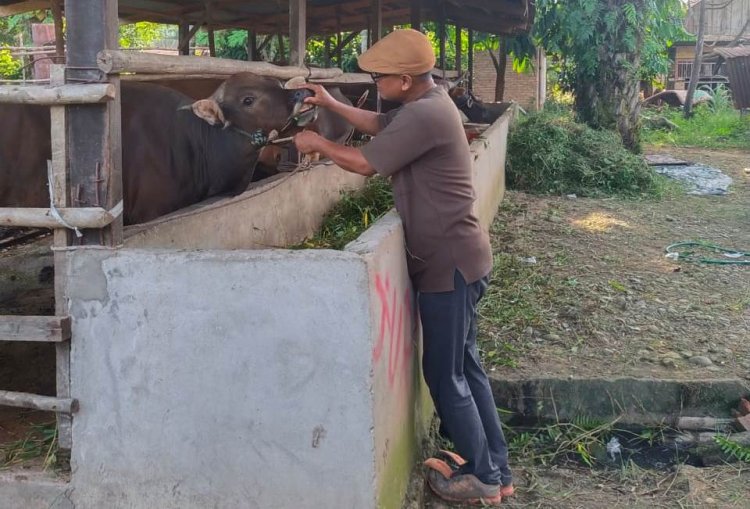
(422, 146)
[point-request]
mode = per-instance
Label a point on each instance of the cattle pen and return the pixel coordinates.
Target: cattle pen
(199, 361)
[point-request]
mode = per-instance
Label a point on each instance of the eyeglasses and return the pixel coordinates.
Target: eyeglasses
(376, 76)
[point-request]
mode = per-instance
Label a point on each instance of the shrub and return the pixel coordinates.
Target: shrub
(713, 125)
(10, 68)
(550, 153)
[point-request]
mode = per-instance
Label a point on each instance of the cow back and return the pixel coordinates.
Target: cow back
(25, 148)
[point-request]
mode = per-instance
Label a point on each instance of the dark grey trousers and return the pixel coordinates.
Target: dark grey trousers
(458, 384)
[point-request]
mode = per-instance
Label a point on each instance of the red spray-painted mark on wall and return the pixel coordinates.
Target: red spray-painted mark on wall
(395, 327)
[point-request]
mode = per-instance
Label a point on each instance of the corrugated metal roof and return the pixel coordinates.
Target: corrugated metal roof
(738, 71)
(323, 16)
(729, 53)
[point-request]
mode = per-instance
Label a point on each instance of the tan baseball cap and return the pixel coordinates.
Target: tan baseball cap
(404, 51)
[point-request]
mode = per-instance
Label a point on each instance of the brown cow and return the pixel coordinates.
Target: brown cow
(172, 156)
(330, 125)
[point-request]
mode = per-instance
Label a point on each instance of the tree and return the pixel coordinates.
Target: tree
(697, 61)
(142, 34)
(607, 45)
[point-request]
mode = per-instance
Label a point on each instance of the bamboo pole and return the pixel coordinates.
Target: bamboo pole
(63, 94)
(115, 62)
(342, 79)
(78, 217)
(47, 403)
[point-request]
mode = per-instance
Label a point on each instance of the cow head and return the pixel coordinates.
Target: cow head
(249, 102)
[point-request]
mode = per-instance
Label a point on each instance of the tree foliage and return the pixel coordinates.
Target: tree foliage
(142, 34)
(607, 46)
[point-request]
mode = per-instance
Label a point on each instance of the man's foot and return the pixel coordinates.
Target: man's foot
(455, 461)
(464, 489)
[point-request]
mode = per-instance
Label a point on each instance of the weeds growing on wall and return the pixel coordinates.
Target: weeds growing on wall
(551, 153)
(352, 215)
(714, 125)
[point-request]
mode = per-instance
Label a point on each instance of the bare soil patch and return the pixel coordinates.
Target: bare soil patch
(599, 298)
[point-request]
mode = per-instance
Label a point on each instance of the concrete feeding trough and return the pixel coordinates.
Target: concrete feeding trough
(216, 368)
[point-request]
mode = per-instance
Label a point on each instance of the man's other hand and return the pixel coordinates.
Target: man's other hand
(307, 142)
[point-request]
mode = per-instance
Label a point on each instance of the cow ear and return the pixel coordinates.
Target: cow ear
(294, 83)
(210, 111)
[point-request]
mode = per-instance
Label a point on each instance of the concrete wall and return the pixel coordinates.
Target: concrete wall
(221, 379)
(251, 378)
(402, 408)
(489, 151)
(276, 212)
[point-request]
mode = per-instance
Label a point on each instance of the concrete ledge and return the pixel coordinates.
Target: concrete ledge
(636, 401)
(33, 490)
(273, 213)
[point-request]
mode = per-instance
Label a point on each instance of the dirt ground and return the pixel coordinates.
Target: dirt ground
(630, 488)
(600, 298)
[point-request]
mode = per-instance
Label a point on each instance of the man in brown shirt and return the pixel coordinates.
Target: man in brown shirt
(423, 148)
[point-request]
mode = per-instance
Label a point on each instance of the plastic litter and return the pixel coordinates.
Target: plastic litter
(613, 448)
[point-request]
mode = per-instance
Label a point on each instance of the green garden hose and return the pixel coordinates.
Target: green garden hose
(734, 256)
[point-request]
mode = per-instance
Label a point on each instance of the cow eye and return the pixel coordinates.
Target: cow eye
(247, 101)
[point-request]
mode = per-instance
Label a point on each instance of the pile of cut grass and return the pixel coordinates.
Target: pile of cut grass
(40, 443)
(352, 215)
(551, 153)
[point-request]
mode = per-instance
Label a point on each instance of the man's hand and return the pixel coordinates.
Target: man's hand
(308, 142)
(321, 98)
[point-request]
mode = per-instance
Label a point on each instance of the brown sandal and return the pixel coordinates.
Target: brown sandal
(456, 461)
(464, 489)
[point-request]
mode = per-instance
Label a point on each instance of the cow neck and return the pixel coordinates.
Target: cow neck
(257, 138)
(223, 158)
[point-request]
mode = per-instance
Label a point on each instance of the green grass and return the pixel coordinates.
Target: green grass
(551, 153)
(352, 215)
(708, 128)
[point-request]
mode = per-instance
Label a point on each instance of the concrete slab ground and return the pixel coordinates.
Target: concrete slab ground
(34, 490)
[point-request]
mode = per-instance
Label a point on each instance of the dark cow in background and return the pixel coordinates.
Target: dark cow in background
(475, 110)
(174, 155)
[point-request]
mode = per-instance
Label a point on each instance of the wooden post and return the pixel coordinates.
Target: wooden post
(252, 46)
(541, 78)
(61, 199)
(263, 45)
(297, 31)
(94, 131)
(376, 30)
(327, 51)
(441, 37)
(470, 63)
(59, 36)
(281, 57)
(338, 46)
(416, 15)
(459, 49)
(211, 42)
(184, 40)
